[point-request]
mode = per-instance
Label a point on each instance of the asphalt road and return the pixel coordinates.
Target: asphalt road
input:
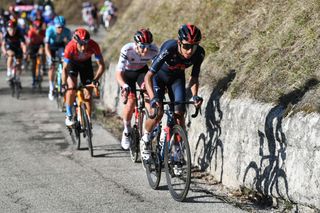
(41, 171)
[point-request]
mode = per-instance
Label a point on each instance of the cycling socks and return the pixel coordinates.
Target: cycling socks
(51, 86)
(127, 126)
(68, 110)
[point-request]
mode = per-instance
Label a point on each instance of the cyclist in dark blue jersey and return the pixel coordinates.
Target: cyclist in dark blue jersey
(168, 72)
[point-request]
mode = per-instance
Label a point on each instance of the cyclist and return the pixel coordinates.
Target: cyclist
(168, 71)
(77, 59)
(13, 45)
(35, 45)
(56, 38)
(131, 68)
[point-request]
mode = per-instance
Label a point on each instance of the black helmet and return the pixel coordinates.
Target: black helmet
(190, 33)
(143, 36)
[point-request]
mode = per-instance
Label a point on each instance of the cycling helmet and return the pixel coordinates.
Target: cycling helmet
(59, 21)
(82, 36)
(11, 24)
(143, 36)
(37, 24)
(189, 33)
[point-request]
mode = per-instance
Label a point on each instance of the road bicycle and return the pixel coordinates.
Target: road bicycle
(82, 118)
(14, 83)
(170, 150)
(58, 94)
(140, 114)
(38, 75)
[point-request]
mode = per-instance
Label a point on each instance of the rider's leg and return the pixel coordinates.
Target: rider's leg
(51, 74)
(10, 57)
(18, 68)
(70, 97)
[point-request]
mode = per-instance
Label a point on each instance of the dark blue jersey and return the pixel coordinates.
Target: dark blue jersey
(170, 61)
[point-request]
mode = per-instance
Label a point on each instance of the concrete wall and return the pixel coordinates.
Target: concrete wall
(247, 143)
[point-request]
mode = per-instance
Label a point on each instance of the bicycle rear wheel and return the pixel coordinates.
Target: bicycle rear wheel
(134, 147)
(177, 161)
(87, 128)
(153, 166)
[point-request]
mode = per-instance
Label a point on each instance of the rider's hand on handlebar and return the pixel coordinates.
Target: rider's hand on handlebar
(125, 90)
(198, 101)
(154, 102)
(64, 88)
(96, 83)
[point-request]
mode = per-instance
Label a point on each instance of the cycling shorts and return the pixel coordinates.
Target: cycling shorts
(85, 70)
(33, 50)
(131, 77)
(175, 85)
(17, 51)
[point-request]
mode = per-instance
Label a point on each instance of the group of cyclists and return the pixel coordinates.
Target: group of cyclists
(165, 73)
(93, 17)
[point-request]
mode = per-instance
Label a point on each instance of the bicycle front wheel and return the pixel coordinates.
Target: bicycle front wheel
(134, 147)
(87, 128)
(177, 161)
(153, 166)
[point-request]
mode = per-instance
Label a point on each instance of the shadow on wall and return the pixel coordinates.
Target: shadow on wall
(209, 144)
(269, 177)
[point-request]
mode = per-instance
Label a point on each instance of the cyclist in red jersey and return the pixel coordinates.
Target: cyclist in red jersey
(35, 46)
(77, 59)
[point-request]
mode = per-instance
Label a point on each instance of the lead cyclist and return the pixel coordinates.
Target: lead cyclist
(168, 71)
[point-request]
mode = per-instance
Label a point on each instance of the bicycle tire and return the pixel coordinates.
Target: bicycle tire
(87, 128)
(13, 88)
(17, 89)
(134, 147)
(153, 166)
(178, 194)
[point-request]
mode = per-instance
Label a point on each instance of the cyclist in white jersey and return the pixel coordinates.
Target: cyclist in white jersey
(131, 69)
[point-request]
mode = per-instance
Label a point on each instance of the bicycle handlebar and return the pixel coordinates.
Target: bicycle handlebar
(195, 114)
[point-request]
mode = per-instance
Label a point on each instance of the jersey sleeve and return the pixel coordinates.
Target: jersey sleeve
(158, 61)
(97, 51)
(47, 35)
(122, 59)
(67, 52)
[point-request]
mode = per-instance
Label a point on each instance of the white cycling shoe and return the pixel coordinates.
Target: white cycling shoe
(126, 140)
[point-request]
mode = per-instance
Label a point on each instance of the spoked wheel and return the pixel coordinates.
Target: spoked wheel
(153, 166)
(77, 131)
(177, 161)
(12, 86)
(87, 128)
(17, 89)
(135, 145)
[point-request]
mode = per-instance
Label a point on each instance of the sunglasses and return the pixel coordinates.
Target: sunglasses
(189, 46)
(144, 46)
(59, 27)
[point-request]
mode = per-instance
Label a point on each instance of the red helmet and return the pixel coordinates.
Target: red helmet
(189, 33)
(37, 24)
(143, 36)
(11, 24)
(82, 36)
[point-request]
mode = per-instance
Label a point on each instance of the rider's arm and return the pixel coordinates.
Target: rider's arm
(123, 60)
(47, 50)
(65, 67)
(100, 70)
(194, 85)
(149, 84)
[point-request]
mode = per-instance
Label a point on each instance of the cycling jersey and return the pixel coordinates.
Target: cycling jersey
(14, 42)
(55, 40)
(169, 67)
(131, 60)
(170, 61)
(71, 52)
(36, 38)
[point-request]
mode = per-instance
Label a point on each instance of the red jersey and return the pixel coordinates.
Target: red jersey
(36, 38)
(72, 53)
